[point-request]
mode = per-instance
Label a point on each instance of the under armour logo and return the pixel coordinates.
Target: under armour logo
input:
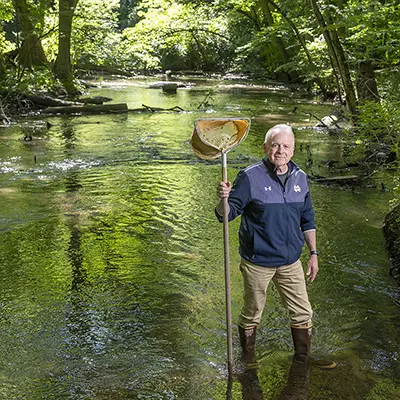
(297, 188)
(267, 188)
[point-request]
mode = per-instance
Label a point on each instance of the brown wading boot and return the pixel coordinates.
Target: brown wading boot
(302, 346)
(247, 342)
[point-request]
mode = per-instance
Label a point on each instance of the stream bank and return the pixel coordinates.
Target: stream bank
(391, 231)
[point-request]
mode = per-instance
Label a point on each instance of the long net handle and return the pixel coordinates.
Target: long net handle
(227, 270)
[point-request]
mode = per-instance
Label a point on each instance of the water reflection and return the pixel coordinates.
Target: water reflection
(296, 386)
(68, 131)
(251, 387)
(111, 265)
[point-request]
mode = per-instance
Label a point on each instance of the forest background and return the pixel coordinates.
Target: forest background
(344, 51)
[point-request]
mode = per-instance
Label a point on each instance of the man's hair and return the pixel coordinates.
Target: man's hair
(278, 128)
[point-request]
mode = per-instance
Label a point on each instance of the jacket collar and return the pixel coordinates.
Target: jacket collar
(272, 168)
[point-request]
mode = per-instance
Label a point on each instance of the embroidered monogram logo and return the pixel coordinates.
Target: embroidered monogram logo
(266, 188)
(297, 188)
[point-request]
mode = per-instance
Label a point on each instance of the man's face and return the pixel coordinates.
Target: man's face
(280, 148)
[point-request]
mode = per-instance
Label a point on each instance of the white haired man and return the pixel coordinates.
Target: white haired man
(277, 216)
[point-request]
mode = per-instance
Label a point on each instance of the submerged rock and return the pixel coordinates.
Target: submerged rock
(170, 88)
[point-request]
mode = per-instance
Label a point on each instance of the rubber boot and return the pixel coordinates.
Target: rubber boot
(302, 346)
(247, 342)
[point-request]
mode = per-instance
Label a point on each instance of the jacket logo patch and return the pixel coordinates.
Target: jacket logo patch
(266, 188)
(297, 188)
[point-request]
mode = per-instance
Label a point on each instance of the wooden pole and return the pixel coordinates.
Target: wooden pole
(227, 270)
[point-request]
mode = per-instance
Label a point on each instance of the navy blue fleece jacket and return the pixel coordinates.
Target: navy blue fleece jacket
(274, 217)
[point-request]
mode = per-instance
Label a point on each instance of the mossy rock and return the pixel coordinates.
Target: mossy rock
(391, 230)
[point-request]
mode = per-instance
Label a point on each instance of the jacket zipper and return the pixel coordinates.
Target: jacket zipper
(285, 214)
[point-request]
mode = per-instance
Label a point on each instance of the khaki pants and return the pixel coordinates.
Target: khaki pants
(290, 282)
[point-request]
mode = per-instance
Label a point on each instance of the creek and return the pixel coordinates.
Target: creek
(111, 258)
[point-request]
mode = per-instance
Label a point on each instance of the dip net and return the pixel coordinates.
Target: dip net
(212, 137)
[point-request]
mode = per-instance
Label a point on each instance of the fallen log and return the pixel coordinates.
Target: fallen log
(48, 101)
(88, 109)
(154, 109)
(104, 69)
(105, 109)
(329, 122)
(341, 180)
(94, 100)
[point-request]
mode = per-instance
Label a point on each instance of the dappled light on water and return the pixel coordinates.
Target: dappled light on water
(112, 262)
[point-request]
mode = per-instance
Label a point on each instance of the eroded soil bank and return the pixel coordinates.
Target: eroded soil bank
(391, 231)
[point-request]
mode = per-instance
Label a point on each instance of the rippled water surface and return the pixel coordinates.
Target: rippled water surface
(111, 260)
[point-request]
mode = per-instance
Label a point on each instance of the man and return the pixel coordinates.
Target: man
(273, 199)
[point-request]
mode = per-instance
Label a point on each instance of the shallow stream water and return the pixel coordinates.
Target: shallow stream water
(111, 259)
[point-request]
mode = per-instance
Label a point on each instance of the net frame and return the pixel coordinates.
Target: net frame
(204, 128)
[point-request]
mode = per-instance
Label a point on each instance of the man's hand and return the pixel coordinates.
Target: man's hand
(223, 190)
(312, 267)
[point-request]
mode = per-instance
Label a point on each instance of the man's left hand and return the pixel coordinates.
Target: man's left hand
(312, 268)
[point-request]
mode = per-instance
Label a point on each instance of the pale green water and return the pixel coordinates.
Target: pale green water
(111, 260)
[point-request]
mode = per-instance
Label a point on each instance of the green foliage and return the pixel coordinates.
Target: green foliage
(373, 31)
(220, 35)
(6, 15)
(6, 11)
(175, 36)
(127, 15)
(379, 122)
(30, 81)
(5, 45)
(138, 55)
(322, 67)
(396, 191)
(379, 127)
(96, 39)
(38, 9)
(258, 55)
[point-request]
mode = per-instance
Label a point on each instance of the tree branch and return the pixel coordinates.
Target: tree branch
(194, 30)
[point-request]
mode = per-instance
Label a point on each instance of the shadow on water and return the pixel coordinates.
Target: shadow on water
(111, 263)
(294, 381)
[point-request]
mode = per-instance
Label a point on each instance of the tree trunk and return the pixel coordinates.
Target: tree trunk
(337, 55)
(269, 20)
(276, 40)
(63, 66)
(303, 44)
(367, 88)
(31, 51)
